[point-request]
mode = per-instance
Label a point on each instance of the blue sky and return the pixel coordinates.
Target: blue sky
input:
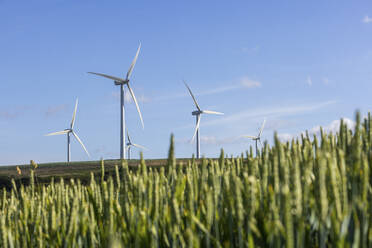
(298, 64)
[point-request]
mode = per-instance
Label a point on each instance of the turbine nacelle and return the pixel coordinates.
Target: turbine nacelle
(121, 82)
(136, 145)
(197, 112)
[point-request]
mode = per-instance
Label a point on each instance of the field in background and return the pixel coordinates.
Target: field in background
(76, 170)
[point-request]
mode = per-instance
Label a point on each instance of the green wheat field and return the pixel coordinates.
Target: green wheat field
(311, 192)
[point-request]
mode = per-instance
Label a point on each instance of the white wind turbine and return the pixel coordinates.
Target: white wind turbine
(69, 131)
(130, 144)
(197, 114)
(122, 82)
(258, 137)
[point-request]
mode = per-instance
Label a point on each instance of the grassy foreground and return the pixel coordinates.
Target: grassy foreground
(307, 193)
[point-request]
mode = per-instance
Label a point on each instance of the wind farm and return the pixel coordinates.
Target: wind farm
(259, 146)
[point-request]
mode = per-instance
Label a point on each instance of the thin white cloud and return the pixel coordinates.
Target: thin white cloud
(128, 97)
(367, 19)
(218, 90)
(277, 123)
(13, 112)
(241, 83)
(246, 82)
(52, 110)
(213, 140)
(333, 127)
(325, 80)
(209, 140)
(251, 50)
(284, 137)
(268, 112)
(309, 81)
(8, 115)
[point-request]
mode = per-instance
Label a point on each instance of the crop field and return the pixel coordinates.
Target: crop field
(73, 170)
(311, 192)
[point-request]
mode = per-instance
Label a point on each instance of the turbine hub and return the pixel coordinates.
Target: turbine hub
(121, 82)
(196, 112)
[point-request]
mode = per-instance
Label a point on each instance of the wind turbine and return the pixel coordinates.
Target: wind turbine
(258, 137)
(69, 131)
(130, 144)
(198, 114)
(122, 82)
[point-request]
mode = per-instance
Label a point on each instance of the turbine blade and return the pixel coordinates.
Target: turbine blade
(196, 103)
(140, 147)
(128, 137)
(260, 143)
(196, 128)
(249, 137)
(133, 62)
(57, 133)
(81, 143)
(108, 76)
(262, 127)
(212, 112)
(135, 101)
(74, 115)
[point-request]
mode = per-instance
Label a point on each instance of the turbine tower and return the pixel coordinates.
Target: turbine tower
(198, 114)
(130, 144)
(122, 82)
(258, 137)
(69, 131)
